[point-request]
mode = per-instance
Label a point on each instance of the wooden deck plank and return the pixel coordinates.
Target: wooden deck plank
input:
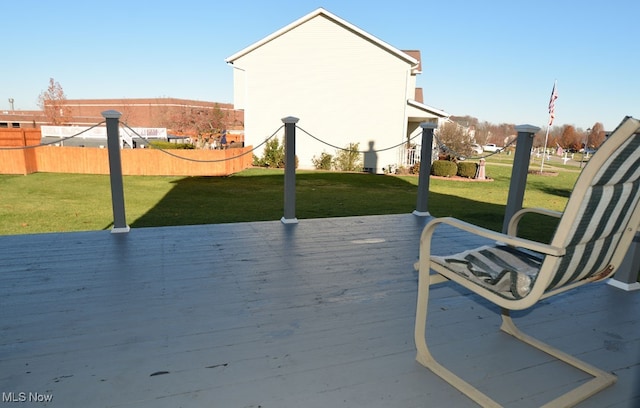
(264, 314)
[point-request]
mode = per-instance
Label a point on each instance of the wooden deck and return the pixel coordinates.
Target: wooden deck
(318, 314)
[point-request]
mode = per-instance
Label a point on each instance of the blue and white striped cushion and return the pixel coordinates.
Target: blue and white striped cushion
(591, 243)
(595, 234)
(505, 270)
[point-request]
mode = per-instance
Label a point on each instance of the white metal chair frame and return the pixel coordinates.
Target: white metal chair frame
(554, 275)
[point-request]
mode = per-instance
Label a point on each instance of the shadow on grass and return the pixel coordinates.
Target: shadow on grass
(260, 197)
(560, 192)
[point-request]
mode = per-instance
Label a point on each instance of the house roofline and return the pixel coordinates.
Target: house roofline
(322, 12)
(427, 108)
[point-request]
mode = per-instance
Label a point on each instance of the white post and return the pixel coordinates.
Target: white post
(115, 172)
(519, 172)
(627, 275)
(422, 202)
(289, 170)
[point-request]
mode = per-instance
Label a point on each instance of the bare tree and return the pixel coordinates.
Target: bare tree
(53, 103)
(569, 139)
(502, 133)
(597, 135)
(455, 139)
(483, 131)
(204, 123)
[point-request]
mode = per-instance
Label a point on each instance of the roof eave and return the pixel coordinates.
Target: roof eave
(427, 108)
(321, 11)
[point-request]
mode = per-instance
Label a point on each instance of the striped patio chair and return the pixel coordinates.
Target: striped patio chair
(593, 235)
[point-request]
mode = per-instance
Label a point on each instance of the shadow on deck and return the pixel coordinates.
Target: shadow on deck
(318, 314)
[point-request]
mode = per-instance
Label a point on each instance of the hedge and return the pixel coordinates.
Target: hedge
(444, 168)
(467, 169)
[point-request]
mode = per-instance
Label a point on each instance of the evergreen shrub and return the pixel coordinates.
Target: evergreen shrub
(348, 159)
(444, 168)
(323, 162)
(467, 169)
(160, 144)
(273, 154)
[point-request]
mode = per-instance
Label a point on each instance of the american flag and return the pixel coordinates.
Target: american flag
(552, 104)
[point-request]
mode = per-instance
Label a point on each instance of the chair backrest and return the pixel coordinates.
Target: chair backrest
(603, 212)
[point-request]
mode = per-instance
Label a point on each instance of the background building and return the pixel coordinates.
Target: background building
(345, 85)
(167, 113)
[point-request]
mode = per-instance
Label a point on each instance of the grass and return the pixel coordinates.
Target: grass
(44, 202)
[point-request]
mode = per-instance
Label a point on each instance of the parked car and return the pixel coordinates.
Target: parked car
(491, 147)
(476, 148)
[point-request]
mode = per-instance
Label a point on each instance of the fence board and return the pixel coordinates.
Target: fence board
(135, 162)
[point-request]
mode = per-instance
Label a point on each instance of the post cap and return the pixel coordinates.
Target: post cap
(428, 125)
(111, 114)
(527, 129)
(290, 119)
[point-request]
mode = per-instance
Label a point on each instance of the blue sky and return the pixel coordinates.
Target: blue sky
(495, 60)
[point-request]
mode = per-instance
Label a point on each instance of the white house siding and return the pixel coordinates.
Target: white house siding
(411, 87)
(343, 87)
(239, 89)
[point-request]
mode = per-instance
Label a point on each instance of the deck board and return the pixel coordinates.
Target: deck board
(313, 314)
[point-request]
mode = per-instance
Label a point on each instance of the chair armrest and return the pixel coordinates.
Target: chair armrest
(512, 229)
(487, 233)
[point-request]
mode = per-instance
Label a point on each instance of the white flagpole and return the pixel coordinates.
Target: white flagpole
(544, 153)
(552, 102)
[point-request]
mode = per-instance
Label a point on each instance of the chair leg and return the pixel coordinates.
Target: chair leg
(424, 356)
(601, 380)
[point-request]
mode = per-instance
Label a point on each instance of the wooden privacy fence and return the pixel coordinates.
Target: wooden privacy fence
(18, 161)
(93, 160)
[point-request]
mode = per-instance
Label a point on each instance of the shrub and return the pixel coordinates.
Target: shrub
(401, 170)
(444, 168)
(392, 169)
(467, 169)
(348, 159)
(323, 162)
(415, 169)
(272, 155)
(160, 144)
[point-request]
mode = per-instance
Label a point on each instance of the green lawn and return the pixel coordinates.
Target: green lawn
(45, 202)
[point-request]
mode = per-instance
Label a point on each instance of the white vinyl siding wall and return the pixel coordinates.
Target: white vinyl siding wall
(239, 88)
(411, 87)
(342, 87)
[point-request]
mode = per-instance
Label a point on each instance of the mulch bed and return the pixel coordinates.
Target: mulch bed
(464, 179)
(543, 173)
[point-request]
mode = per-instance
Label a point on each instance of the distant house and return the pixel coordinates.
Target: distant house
(345, 86)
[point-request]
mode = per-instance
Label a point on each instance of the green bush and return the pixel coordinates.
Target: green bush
(349, 159)
(467, 169)
(272, 155)
(160, 144)
(323, 162)
(444, 168)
